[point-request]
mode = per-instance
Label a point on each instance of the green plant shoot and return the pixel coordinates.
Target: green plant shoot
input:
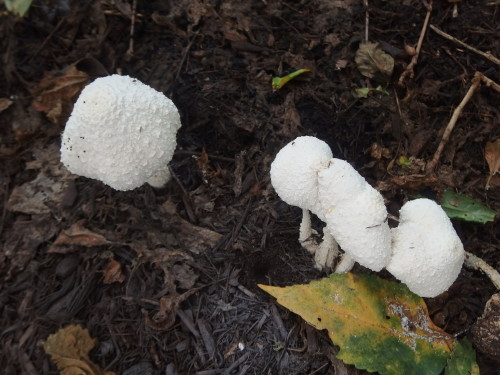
(279, 82)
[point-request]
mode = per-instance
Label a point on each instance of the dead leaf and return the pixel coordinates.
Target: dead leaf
(492, 156)
(184, 275)
(378, 152)
(413, 182)
(373, 62)
(5, 103)
(165, 317)
(44, 194)
(113, 273)
(76, 235)
(205, 167)
(69, 349)
(22, 241)
(55, 95)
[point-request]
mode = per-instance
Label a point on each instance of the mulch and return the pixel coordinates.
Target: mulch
(166, 279)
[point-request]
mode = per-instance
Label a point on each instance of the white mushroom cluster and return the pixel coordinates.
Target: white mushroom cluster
(121, 132)
(424, 251)
(305, 174)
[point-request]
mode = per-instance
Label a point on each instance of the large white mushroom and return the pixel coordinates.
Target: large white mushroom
(356, 216)
(427, 252)
(121, 132)
(294, 176)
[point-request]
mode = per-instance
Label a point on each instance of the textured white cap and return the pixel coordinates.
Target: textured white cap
(294, 172)
(355, 215)
(121, 132)
(427, 252)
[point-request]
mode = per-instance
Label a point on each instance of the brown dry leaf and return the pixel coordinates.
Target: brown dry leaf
(378, 152)
(492, 156)
(4, 104)
(76, 235)
(113, 273)
(54, 95)
(412, 181)
(373, 62)
(45, 193)
(69, 349)
(184, 275)
(205, 167)
(22, 240)
(165, 317)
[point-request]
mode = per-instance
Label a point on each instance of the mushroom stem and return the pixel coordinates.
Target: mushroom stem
(345, 264)
(327, 251)
(305, 233)
(476, 263)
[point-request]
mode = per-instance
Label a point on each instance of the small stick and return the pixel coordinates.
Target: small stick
(409, 69)
(486, 55)
(476, 81)
(367, 19)
(130, 51)
(476, 263)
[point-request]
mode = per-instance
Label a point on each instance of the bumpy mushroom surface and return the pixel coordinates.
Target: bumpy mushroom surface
(427, 252)
(294, 172)
(121, 132)
(355, 214)
(294, 176)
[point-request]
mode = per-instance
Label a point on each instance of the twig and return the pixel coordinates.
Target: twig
(476, 263)
(130, 51)
(490, 83)
(476, 81)
(486, 55)
(409, 69)
(367, 19)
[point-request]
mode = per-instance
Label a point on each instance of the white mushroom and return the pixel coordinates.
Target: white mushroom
(121, 132)
(356, 216)
(294, 175)
(427, 252)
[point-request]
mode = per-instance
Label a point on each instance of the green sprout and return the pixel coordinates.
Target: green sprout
(279, 82)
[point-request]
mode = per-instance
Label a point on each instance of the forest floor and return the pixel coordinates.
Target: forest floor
(166, 279)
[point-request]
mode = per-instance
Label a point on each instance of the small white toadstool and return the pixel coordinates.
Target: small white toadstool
(294, 176)
(356, 216)
(294, 172)
(121, 132)
(427, 252)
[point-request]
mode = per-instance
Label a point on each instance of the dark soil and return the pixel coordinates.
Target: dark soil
(204, 241)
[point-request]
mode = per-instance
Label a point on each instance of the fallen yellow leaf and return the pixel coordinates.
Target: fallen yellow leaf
(69, 349)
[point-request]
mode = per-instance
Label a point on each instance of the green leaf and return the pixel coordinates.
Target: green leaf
(19, 7)
(362, 92)
(378, 324)
(463, 360)
(463, 207)
(279, 82)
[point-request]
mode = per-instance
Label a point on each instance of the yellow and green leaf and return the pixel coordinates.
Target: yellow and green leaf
(378, 324)
(463, 360)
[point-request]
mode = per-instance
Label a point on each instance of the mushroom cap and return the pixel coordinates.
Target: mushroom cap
(294, 172)
(121, 132)
(427, 252)
(355, 214)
